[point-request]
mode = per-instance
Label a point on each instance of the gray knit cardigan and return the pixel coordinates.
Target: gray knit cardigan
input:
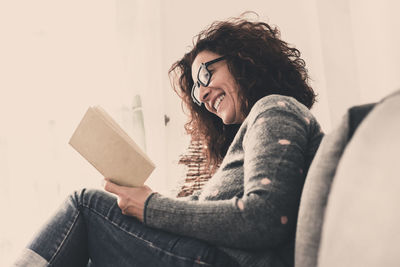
(249, 207)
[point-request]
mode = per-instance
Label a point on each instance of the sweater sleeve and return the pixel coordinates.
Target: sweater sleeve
(264, 215)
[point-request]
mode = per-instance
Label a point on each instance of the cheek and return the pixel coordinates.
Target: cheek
(236, 97)
(209, 109)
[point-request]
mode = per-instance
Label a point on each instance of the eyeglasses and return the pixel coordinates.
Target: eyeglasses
(203, 78)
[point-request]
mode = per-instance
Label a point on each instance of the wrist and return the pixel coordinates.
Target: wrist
(146, 203)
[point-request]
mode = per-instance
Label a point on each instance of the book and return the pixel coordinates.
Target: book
(105, 145)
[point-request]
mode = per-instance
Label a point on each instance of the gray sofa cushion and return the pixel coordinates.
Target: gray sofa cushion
(361, 225)
(318, 184)
(315, 194)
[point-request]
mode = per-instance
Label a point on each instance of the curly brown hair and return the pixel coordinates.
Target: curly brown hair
(261, 63)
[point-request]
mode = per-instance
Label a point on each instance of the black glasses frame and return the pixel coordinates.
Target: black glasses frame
(199, 82)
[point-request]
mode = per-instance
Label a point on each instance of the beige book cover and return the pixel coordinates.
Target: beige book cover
(102, 142)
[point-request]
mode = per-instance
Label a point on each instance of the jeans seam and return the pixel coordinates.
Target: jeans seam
(65, 238)
(150, 244)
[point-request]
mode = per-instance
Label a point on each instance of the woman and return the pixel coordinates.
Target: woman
(239, 73)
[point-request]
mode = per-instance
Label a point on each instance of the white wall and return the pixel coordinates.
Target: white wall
(59, 57)
(375, 29)
(54, 63)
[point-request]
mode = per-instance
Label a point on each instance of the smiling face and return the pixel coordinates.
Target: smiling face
(221, 95)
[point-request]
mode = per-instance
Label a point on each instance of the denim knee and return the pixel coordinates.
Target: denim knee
(93, 199)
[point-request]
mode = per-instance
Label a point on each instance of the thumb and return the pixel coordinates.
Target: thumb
(111, 187)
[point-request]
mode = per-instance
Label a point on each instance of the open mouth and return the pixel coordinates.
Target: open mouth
(218, 101)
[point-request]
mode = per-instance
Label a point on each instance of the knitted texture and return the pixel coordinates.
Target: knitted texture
(249, 206)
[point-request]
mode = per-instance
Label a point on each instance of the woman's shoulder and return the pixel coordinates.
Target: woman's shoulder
(276, 105)
(278, 102)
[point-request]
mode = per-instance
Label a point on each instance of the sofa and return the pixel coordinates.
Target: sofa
(349, 212)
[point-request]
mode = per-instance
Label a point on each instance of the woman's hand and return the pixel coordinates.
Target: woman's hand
(130, 199)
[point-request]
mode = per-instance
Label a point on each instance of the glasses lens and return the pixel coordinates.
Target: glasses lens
(204, 75)
(196, 93)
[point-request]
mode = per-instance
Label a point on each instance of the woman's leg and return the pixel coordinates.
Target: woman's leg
(90, 224)
(62, 241)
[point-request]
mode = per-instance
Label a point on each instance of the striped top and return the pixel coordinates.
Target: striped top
(197, 172)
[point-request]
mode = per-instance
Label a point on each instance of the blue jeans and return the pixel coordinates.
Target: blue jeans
(90, 225)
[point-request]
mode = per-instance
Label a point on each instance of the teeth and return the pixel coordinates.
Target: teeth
(218, 101)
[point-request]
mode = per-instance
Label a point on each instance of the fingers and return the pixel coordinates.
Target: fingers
(130, 199)
(119, 191)
(112, 188)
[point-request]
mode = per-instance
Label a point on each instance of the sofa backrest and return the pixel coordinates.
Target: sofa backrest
(362, 218)
(318, 185)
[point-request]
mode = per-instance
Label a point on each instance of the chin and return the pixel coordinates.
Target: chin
(228, 119)
(227, 122)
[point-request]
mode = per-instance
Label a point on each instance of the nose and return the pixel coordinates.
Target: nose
(204, 93)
